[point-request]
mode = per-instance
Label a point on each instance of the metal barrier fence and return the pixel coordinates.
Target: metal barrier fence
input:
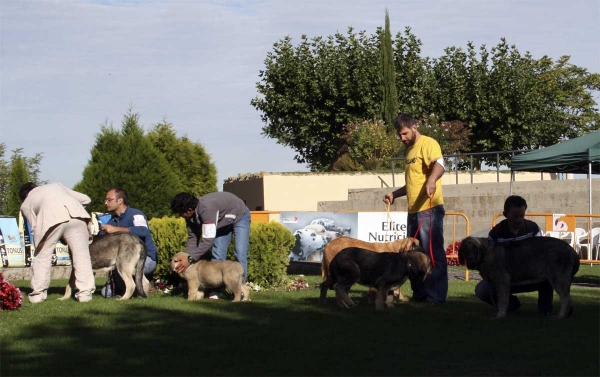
(573, 235)
(454, 160)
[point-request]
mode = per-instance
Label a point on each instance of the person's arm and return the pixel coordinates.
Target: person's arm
(437, 170)
(139, 228)
(389, 197)
(82, 198)
(195, 247)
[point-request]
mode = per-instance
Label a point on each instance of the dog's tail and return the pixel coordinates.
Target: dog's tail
(139, 271)
(575, 267)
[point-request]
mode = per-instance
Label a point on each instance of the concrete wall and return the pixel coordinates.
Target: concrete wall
(303, 191)
(481, 202)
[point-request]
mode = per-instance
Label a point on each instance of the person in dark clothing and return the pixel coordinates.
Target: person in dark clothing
(513, 229)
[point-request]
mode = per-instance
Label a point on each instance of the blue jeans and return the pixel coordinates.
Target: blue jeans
(487, 293)
(435, 287)
(241, 230)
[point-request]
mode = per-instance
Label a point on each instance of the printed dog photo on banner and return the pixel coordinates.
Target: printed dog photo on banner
(314, 230)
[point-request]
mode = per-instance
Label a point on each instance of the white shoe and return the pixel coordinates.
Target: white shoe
(213, 296)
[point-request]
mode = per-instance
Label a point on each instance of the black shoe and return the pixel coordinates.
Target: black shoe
(418, 299)
(513, 303)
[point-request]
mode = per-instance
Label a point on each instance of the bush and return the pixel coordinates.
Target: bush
(169, 235)
(270, 245)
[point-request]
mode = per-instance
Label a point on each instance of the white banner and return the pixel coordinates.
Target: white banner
(381, 226)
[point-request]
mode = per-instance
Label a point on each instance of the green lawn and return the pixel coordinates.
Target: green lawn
(288, 333)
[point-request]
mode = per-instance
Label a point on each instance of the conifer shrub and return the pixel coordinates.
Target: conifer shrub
(270, 245)
(169, 235)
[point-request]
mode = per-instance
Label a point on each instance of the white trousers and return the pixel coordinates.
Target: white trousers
(75, 233)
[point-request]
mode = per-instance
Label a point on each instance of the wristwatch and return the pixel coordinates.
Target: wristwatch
(191, 260)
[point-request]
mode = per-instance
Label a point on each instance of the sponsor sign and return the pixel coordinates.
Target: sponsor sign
(381, 226)
(12, 251)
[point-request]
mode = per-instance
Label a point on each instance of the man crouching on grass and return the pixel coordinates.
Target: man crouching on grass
(211, 220)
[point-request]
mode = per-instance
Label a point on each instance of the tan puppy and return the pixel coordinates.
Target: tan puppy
(338, 244)
(204, 275)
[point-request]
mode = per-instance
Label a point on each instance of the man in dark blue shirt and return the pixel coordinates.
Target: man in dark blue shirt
(128, 220)
(513, 229)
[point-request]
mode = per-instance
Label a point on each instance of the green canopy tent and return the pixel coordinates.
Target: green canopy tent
(579, 156)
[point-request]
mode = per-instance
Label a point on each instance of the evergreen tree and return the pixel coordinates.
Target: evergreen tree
(32, 166)
(188, 160)
(388, 75)
(127, 159)
(18, 177)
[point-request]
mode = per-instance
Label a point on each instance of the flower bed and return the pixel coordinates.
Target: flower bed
(10, 296)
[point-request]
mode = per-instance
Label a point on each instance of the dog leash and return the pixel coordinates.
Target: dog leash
(430, 231)
(412, 241)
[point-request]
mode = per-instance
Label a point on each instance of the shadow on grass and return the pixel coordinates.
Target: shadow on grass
(287, 333)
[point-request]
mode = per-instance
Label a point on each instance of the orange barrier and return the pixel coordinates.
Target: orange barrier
(570, 221)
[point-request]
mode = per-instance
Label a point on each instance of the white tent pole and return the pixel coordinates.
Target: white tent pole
(590, 179)
(511, 181)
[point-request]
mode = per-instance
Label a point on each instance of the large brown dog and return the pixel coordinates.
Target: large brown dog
(338, 244)
(382, 271)
(532, 260)
(204, 275)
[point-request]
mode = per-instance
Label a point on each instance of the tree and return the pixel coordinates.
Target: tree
(512, 101)
(308, 93)
(18, 177)
(189, 161)
(508, 100)
(32, 167)
(388, 76)
(127, 159)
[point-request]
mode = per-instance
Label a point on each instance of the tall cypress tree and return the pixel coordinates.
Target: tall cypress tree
(388, 75)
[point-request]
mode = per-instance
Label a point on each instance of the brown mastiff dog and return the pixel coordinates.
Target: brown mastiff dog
(532, 260)
(338, 244)
(381, 271)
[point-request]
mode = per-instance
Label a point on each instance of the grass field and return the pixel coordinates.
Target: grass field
(288, 333)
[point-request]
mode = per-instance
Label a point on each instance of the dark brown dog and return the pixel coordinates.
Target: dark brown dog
(383, 271)
(532, 260)
(338, 244)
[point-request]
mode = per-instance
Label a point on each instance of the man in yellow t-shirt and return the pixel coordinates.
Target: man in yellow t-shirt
(423, 190)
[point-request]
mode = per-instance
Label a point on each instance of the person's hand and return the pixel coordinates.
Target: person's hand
(389, 198)
(430, 188)
(109, 229)
(182, 265)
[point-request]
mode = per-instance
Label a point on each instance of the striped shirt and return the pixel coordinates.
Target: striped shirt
(502, 233)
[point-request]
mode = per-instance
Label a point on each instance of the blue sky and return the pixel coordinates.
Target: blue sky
(66, 67)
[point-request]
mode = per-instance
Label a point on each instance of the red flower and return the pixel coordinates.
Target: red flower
(453, 250)
(10, 296)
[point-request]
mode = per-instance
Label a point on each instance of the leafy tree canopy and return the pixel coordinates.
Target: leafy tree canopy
(508, 100)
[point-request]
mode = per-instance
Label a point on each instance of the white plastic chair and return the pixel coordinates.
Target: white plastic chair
(582, 242)
(565, 236)
(593, 244)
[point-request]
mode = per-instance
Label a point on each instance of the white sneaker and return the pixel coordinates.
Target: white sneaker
(213, 296)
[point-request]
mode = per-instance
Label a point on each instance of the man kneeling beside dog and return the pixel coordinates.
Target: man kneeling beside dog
(515, 259)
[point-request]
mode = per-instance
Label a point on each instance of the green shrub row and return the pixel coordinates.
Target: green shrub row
(270, 244)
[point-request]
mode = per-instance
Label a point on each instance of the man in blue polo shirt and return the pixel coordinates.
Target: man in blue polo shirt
(128, 220)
